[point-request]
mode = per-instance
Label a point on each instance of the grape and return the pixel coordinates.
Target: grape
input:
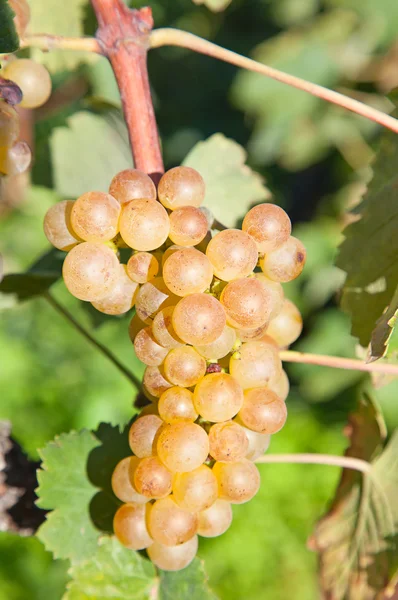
(246, 303)
(184, 366)
(252, 335)
(153, 296)
(287, 326)
(233, 254)
(144, 224)
(182, 446)
(255, 364)
(169, 251)
(173, 558)
(181, 186)
(258, 442)
(199, 319)
(142, 435)
(33, 79)
(228, 441)
(187, 271)
(188, 226)
(275, 293)
(95, 217)
(147, 349)
(197, 490)
(169, 524)
(163, 330)
(129, 525)
(216, 519)
(132, 184)
(286, 262)
(135, 327)
(218, 397)
(142, 267)
(122, 297)
(220, 347)
(268, 225)
(151, 478)
(175, 404)
(238, 481)
(155, 382)
(57, 226)
(263, 411)
(280, 385)
(90, 271)
(121, 483)
(9, 125)
(22, 15)
(15, 159)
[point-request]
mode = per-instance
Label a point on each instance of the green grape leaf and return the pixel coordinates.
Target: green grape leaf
(369, 253)
(89, 152)
(232, 188)
(37, 279)
(214, 5)
(189, 583)
(9, 41)
(47, 17)
(112, 572)
(356, 539)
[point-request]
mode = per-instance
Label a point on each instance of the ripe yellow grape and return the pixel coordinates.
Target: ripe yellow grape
(142, 435)
(175, 404)
(287, 326)
(252, 335)
(22, 15)
(228, 441)
(258, 442)
(9, 125)
(238, 482)
(155, 382)
(152, 479)
(233, 254)
(152, 297)
(275, 293)
(218, 397)
(142, 267)
(197, 490)
(246, 303)
(135, 327)
(286, 262)
(216, 519)
(220, 347)
(15, 159)
(188, 226)
(268, 225)
(95, 217)
(129, 526)
(33, 79)
(147, 349)
(132, 184)
(173, 558)
(163, 330)
(280, 385)
(121, 483)
(181, 186)
(263, 411)
(169, 251)
(57, 226)
(183, 366)
(255, 364)
(182, 446)
(169, 524)
(144, 224)
(122, 296)
(90, 271)
(199, 319)
(187, 271)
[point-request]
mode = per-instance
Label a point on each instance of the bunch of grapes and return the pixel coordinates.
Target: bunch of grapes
(210, 318)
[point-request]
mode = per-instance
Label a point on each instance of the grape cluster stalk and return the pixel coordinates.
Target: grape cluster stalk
(210, 319)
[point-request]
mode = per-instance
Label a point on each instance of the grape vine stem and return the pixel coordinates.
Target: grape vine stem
(48, 42)
(346, 462)
(103, 349)
(337, 362)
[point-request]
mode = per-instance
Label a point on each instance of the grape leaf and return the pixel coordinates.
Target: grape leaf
(9, 41)
(88, 153)
(214, 5)
(189, 583)
(231, 186)
(356, 539)
(369, 253)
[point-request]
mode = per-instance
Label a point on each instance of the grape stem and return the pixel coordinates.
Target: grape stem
(103, 349)
(337, 362)
(346, 462)
(47, 42)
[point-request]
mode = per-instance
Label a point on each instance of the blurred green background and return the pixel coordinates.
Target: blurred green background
(315, 160)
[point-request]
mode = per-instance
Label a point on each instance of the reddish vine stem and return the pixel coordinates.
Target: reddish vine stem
(124, 37)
